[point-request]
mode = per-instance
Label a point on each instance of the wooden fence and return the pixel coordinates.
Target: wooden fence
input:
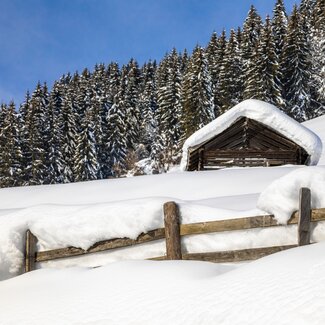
(173, 231)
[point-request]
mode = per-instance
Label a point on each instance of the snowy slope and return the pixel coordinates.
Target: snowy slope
(184, 186)
(81, 214)
(285, 288)
(84, 213)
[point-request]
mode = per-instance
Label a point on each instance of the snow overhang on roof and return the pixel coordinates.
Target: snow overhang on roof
(264, 113)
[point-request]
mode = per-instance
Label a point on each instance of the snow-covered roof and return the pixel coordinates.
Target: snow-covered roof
(264, 113)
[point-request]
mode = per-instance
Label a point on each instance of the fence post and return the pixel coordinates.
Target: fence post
(30, 251)
(172, 231)
(304, 216)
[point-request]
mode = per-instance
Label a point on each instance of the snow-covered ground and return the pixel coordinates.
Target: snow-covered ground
(134, 292)
(284, 288)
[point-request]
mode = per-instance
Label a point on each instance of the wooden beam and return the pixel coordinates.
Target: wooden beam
(30, 251)
(172, 231)
(244, 223)
(232, 256)
(100, 246)
(304, 216)
(227, 225)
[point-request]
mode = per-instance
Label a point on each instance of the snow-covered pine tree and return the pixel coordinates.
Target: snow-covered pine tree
(11, 155)
(170, 108)
(230, 84)
(100, 105)
(239, 37)
(250, 39)
(26, 157)
(318, 55)
(184, 62)
(36, 134)
(221, 50)
(55, 145)
(130, 101)
(279, 26)
(213, 61)
(197, 96)
(85, 160)
(82, 91)
(113, 75)
(68, 123)
(265, 75)
(3, 108)
(116, 140)
(215, 53)
(296, 69)
(147, 106)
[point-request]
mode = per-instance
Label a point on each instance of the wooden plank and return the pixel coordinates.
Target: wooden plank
(232, 256)
(172, 231)
(232, 133)
(30, 251)
(227, 225)
(269, 134)
(304, 216)
(100, 246)
(252, 152)
(244, 223)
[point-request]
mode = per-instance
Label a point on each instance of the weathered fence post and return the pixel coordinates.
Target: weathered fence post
(304, 216)
(172, 231)
(30, 251)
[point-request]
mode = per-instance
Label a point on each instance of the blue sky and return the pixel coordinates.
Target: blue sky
(42, 39)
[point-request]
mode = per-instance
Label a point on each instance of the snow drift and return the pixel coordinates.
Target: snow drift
(284, 288)
(281, 197)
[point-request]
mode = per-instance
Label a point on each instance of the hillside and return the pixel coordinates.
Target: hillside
(80, 214)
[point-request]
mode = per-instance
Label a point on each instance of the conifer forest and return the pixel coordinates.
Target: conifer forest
(98, 124)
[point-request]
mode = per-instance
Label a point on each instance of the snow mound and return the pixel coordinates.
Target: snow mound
(283, 288)
(266, 114)
(317, 126)
(281, 197)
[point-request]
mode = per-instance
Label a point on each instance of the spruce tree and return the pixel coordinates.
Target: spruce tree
(116, 144)
(215, 54)
(37, 135)
(264, 79)
(230, 79)
(170, 109)
(24, 136)
(100, 103)
(86, 164)
(279, 26)
(318, 55)
(148, 107)
(197, 96)
(296, 69)
(250, 39)
(68, 122)
(11, 155)
(55, 144)
(213, 59)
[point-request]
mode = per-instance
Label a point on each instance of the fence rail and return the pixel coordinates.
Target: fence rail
(173, 231)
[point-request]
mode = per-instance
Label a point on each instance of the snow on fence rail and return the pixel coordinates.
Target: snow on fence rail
(174, 230)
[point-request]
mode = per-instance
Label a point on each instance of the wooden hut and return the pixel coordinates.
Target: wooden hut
(253, 133)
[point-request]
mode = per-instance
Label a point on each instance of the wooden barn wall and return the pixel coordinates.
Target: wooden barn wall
(247, 143)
